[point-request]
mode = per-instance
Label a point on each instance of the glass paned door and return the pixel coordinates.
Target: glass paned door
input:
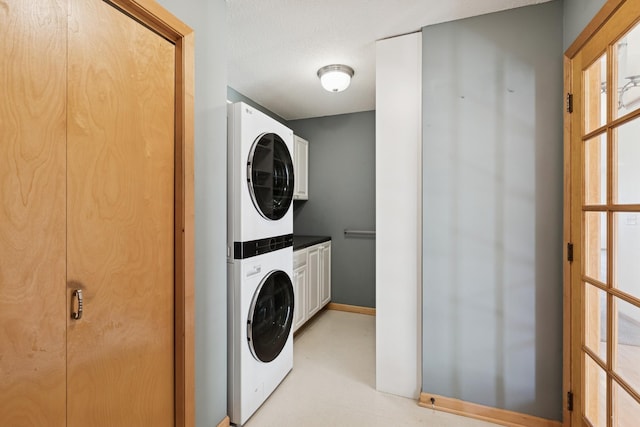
(605, 224)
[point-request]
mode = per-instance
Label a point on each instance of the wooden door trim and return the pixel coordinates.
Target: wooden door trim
(154, 16)
(593, 26)
(566, 267)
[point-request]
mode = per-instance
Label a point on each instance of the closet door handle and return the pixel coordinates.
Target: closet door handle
(76, 304)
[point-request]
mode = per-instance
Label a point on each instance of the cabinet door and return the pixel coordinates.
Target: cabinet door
(325, 273)
(299, 290)
(301, 169)
(313, 297)
(33, 306)
(120, 223)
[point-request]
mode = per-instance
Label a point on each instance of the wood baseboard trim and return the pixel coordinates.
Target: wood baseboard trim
(484, 413)
(225, 423)
(351, 308)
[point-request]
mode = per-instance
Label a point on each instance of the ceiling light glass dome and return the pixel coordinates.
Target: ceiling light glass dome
(335, 77)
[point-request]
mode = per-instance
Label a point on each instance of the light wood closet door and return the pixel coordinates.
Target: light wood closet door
(120, 207)
(89, 202)
(32, 212)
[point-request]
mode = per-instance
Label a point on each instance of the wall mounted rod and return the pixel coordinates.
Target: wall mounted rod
(348, 232)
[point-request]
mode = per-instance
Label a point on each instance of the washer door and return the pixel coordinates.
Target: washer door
(270, 176)
(270, 316)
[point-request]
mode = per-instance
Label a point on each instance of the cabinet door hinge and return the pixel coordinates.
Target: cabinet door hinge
(570, 252)
(570, 401)
(569, 103)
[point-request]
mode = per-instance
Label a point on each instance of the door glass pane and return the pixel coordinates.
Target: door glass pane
(626, 167)
(628, 64)
(595, 95)
(626, 408)
(627, 253)
(595, 393)
(595, 245)
(595, 170)
(627, 355)
(595, 320)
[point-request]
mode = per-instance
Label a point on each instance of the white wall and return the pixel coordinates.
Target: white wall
(207, 18)
(398, 214)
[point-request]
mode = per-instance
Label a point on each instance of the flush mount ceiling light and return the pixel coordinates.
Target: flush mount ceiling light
(335, 77)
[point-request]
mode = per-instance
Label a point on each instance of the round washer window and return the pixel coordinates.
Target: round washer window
(270, 176)
(271, 316)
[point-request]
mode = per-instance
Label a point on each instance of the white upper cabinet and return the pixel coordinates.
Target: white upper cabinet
(300, 168)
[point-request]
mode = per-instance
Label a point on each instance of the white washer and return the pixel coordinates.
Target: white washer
(260, 344)
(260, 176)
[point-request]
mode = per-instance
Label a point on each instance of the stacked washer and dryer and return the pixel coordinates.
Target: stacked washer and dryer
(259, 258)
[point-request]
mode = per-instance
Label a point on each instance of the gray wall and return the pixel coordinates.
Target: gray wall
(207, 18)
(492, 210)
(577, 14)
(342, 195)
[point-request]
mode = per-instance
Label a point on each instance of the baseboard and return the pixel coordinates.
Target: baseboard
(225, 423)
(484, 413)
(351, 308)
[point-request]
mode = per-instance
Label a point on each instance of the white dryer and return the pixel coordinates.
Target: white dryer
(260, 176)
(260, 342)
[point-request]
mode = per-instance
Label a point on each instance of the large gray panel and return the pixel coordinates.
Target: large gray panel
(207, 18)
(342, 195)
(492, 188)
(577, 14)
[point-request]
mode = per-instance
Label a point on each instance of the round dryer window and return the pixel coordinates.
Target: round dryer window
(270, 176)
(270, 316)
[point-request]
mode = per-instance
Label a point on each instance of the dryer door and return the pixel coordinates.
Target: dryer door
(270, 316)
(270, 176)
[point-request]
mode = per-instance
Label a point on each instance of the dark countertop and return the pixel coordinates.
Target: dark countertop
(301, 242)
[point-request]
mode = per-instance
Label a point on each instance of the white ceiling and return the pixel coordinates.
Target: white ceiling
(275, 47)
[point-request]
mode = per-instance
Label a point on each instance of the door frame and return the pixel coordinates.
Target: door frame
(571, 320)
(158, 19)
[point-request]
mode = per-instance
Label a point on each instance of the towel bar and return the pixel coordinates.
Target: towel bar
(371, 233)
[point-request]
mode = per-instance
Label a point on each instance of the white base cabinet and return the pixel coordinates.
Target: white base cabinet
(311, 281)
(300, 285)
(325, 273)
